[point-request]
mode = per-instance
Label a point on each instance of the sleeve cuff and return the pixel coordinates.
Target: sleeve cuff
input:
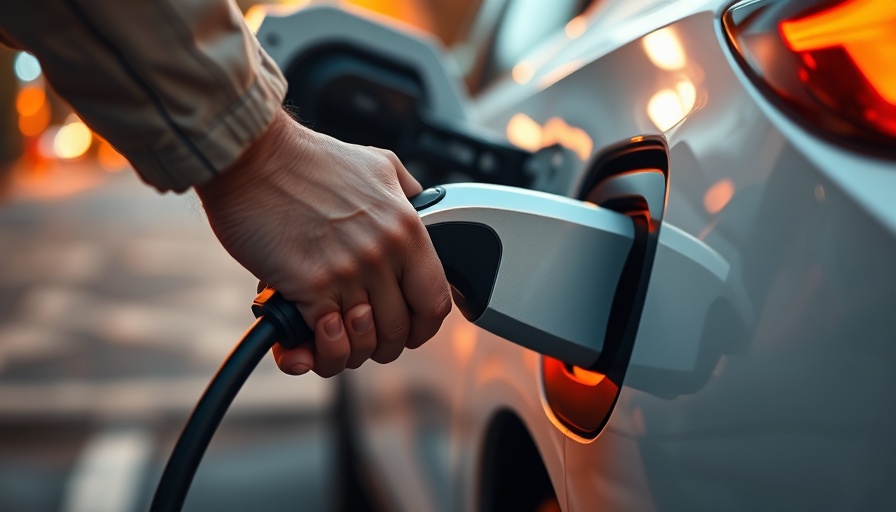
(179, 168)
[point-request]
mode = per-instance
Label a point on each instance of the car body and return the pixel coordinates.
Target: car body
(776, 393)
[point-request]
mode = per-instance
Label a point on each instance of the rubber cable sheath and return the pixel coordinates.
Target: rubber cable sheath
(198, 432)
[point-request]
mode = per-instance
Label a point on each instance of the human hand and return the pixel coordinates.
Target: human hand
(328, 225)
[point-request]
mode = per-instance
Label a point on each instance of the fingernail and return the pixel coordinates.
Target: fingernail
(299, 369)
(363, 323)
(333, 327)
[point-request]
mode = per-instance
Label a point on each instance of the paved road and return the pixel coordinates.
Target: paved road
(116, 306)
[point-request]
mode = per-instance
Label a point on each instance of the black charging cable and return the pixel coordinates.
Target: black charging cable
(277, 321)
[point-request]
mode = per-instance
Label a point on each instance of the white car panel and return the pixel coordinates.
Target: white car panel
(442, 398)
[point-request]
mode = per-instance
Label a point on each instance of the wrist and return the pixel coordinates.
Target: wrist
(284, 140)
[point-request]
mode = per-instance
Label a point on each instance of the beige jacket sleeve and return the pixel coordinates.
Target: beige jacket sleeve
(179, 87)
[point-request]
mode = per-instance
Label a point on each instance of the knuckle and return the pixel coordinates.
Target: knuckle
(410, 223)
(405, 228)
(382, 161)
(371, 254)
(435, 308)
(362, 346)
(396, 333)
(441, 306)
(320, 283)
(337, 355)
(391, 157)
(345, 270)
(395, 236)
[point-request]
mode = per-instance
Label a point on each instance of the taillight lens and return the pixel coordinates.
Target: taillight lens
(833, 62)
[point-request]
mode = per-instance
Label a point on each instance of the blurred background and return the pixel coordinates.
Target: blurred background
(116, 307)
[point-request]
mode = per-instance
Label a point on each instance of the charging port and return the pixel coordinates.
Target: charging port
(630, 178)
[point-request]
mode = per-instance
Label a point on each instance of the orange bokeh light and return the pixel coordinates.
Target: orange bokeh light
(33, 125)
(576, 27)
(525, 132)
(463, 340)
(556, 131)
(664, 49)
(30, 100)
(44, 179)
(254, 17)
(406, 11)
(668, 107)
(522, 73)
(72, 140)
(718, 196)
(110, 159)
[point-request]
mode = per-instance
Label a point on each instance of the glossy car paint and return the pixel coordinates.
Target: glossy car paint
(790, 405)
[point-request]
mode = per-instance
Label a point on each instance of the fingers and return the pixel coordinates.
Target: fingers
(330, 352)
(424, 287)
(347, 341)
(328, 356)
(380, 314)
(361, 334)
(390, 313)
(360, 266)
(296, 361)
(405, 315)
(331, 345)
(423, 283)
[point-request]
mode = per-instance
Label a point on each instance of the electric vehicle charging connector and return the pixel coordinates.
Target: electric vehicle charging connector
(508, 253)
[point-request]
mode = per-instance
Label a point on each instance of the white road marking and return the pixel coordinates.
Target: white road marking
(109, 472)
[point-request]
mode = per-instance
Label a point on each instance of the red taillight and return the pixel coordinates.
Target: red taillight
(834, 62)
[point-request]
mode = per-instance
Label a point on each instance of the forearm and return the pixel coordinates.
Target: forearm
(181, 88)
